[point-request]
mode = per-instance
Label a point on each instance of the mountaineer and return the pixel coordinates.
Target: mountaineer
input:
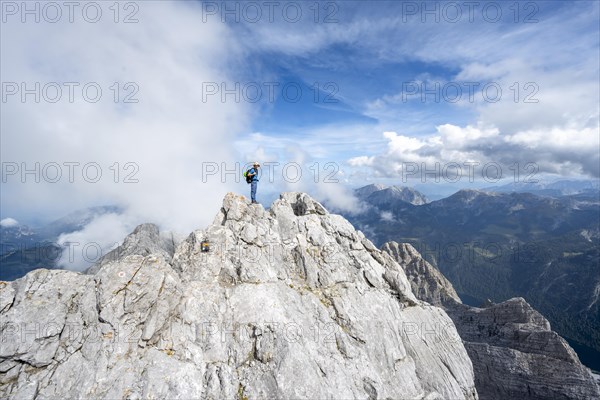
(252, 178)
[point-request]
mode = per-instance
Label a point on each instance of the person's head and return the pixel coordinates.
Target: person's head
(256, 164)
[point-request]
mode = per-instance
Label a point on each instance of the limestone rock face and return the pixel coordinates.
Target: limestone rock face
(515, 353)
(426, 281)
(144, 240)
(292, 302)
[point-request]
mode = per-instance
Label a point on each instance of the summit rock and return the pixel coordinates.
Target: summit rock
(290, 302)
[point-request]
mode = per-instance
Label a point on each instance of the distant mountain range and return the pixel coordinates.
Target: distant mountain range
(502, 244)
(24, 248)
(380, 195)
(552, 189)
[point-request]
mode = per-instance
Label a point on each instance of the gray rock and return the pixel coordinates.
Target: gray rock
(426, 281)
(515, 353)
(288, 303)
(144, 240)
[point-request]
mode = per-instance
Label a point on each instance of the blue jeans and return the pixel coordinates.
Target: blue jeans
(253, 186)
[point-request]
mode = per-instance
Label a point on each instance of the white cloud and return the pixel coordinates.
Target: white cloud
(339, 197)
(168, 135)
(361, 161)
(556, 151)
(552, 61)
(307, 161)
(83, 248)
(8, 222)
(548, 110)
(387, 216)
(547, 115)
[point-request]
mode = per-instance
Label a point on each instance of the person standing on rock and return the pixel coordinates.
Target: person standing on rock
(253, 174)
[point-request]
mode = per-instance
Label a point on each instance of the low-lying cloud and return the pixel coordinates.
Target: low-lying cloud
(116, 115)
(85, 247)
(484, 153)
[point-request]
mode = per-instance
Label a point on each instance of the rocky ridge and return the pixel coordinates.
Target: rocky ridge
(426, 281)
(292, 302)
(515, 353)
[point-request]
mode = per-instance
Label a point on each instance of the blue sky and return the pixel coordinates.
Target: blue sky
(367, 62)
(549, 52)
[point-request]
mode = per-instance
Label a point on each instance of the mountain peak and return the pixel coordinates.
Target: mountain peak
(289, 302)
(379, 195)
(367, 190)
(145, 240)
(467, 196)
